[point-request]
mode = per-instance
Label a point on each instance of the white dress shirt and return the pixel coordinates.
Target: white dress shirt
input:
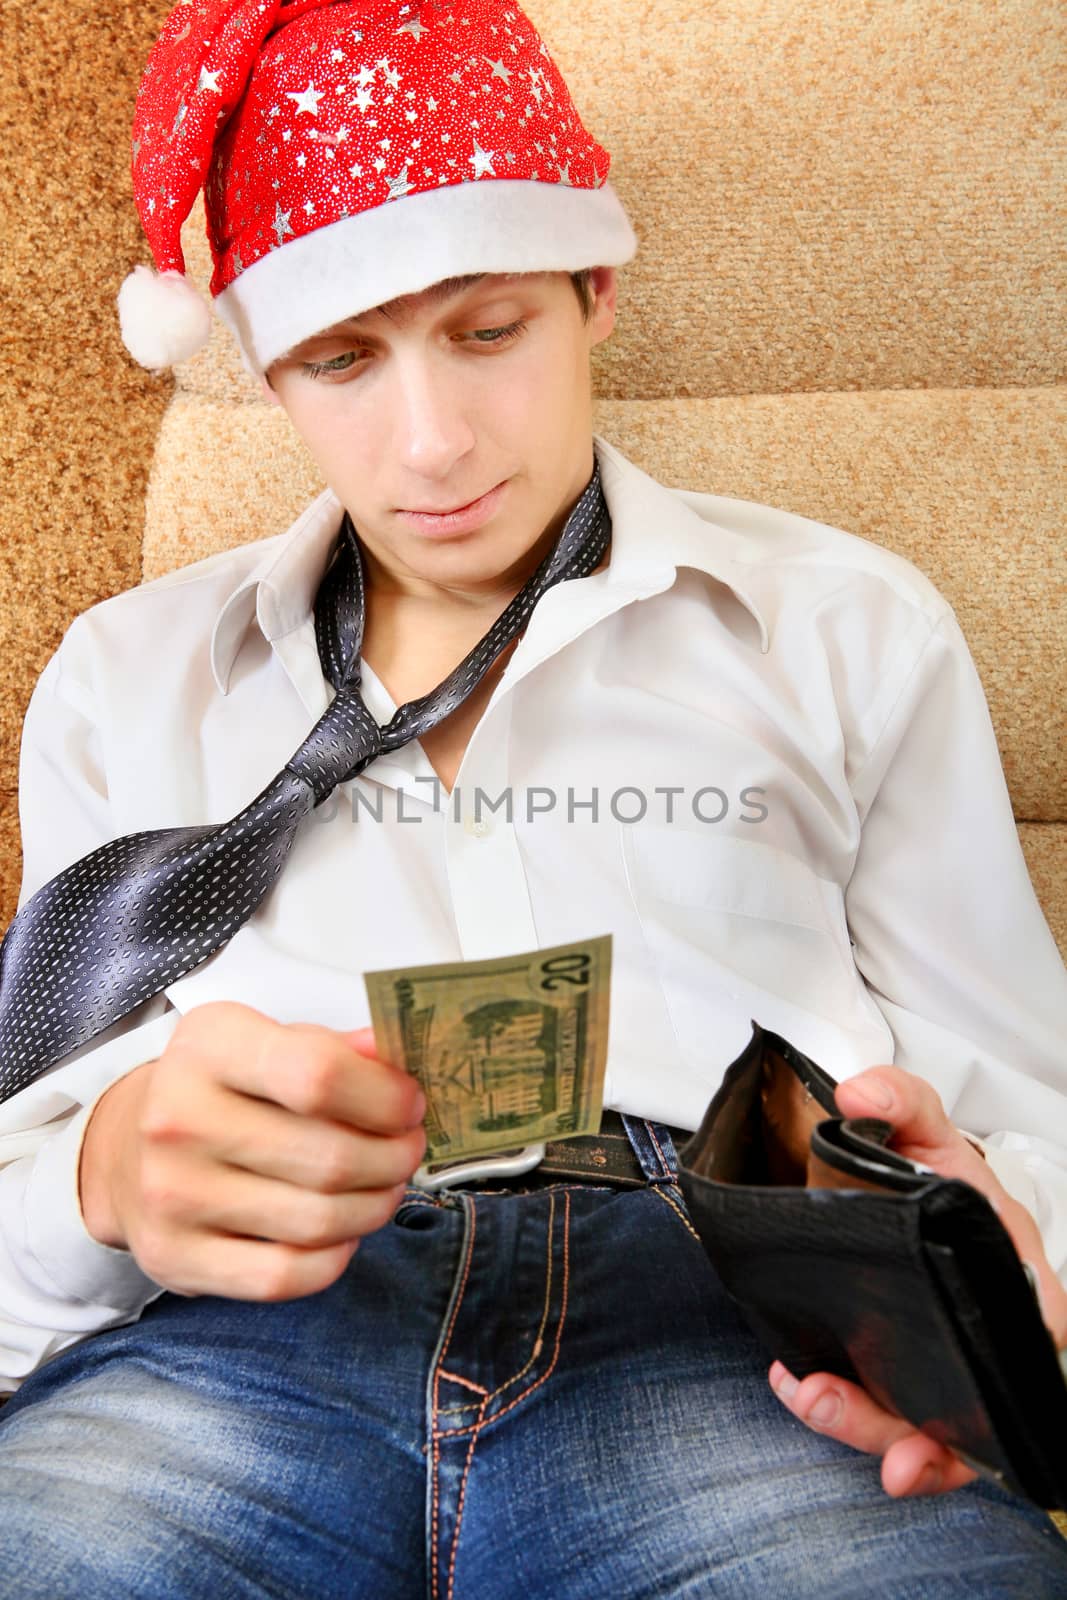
(800, 817)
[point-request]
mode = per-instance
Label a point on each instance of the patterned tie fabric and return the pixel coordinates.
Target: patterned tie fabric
(136, 914)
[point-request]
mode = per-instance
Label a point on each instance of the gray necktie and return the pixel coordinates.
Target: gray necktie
(136, 914)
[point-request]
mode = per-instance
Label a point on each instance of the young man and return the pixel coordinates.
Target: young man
(238, 1340)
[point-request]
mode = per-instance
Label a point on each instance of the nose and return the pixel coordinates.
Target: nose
(433, 431)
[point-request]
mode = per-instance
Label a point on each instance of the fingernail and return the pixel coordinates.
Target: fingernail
(826, 1409)
(787, 1386)
(929, 1480)
(420, 1106)
(876, 1091)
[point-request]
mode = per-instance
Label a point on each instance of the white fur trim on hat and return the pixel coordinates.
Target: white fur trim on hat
(404, 246)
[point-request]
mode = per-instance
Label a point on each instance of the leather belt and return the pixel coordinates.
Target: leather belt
(603, 1157)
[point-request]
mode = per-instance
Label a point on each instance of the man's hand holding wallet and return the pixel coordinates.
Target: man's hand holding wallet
(905, 1295)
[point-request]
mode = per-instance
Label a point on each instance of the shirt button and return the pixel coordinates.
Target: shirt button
(478, 828)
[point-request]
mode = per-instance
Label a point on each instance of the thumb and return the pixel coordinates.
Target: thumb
(922, 1128)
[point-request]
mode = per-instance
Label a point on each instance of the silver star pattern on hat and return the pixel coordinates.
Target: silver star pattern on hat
(429, 95)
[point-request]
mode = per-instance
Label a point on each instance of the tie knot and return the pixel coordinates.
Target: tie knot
(344, 741)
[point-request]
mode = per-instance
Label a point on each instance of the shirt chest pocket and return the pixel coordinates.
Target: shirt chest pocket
(729, 922)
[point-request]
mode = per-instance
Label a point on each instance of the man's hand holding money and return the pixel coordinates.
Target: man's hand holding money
(252, 1157)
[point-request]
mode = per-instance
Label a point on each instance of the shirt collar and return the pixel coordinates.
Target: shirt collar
(279, 592)
(654, 531)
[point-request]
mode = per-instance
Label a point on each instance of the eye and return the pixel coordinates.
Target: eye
(499, 335)
(315, 369)
(338, 366)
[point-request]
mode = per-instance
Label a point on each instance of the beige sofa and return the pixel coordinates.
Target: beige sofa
(849, 301)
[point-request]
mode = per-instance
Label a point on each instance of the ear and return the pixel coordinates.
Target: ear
(267, 392)
(604, 282)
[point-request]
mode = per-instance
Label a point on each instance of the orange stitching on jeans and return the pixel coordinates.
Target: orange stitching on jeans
(664, 1163)
(433, 1514)
(539, 1341)
(538, 1344)
(446, 1433)
(436, 1392)
(462, 1287)
(683, 1219)
(459, 1506)
(454, 1377)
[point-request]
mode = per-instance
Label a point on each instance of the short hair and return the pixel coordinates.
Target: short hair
(584, 290)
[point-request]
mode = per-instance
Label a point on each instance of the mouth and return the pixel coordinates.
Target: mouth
(456, 519)
(442, 511)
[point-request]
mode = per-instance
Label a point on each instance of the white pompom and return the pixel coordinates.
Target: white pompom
(163, 318)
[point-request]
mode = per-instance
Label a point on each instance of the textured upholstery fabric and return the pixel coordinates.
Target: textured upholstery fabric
(849, 301)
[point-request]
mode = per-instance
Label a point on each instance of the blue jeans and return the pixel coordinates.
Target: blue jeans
(507, 1393)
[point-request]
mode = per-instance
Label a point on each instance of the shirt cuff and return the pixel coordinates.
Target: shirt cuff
(67, 1259)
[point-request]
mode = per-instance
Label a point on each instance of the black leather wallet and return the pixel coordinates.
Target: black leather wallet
(847, 1258)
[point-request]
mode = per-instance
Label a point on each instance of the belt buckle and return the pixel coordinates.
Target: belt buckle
(502, 1166)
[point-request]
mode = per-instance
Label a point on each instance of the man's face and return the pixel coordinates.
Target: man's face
(434, 402)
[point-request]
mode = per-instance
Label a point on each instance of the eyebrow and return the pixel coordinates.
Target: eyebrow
(436, 294)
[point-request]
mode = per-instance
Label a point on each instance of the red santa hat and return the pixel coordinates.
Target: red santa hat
(352, 151)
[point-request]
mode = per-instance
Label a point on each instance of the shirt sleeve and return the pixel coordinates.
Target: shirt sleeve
(57, 1283)
(949, 935)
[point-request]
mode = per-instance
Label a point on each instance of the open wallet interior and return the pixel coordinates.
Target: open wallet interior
(846, 1257)
(766, 1129)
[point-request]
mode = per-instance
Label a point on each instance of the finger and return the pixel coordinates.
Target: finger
(246, 1205)
(308, 1068)
(241, 1269)
(263, 1209)
(363, 1041)
(923, 1132)
(909, 1468)
(325, 1076)
(325, 1156)
(922, 1129)
(832, 1405)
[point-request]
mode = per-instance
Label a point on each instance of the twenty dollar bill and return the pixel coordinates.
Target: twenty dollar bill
(507, 1052)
